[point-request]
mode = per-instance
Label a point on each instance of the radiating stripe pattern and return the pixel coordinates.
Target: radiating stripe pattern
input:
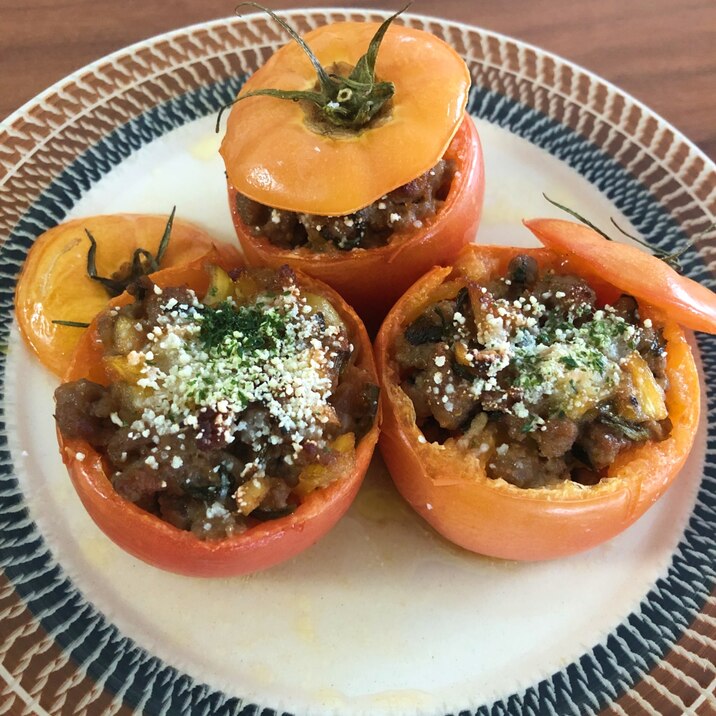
(57, 653)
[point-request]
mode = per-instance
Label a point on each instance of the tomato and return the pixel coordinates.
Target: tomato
(157, 542)
(289, 155)
(449, 487)
(632, 270)
(54, 284)
(274, 156)
(372, 279)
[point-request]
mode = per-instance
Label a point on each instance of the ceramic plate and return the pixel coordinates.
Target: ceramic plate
(382, 617)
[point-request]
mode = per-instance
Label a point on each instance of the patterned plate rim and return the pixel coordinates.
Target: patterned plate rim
(423, 17)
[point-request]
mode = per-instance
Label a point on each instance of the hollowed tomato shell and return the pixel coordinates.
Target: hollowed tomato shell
(449, 488)
(160, 544)
(372, 279)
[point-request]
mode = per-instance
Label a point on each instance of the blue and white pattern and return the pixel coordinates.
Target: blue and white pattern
(141, 681)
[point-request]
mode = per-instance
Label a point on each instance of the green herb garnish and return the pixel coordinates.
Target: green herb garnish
(630, 430)
(531, 424)
(231, 330)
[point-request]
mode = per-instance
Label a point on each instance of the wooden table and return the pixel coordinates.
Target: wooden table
(660, 51)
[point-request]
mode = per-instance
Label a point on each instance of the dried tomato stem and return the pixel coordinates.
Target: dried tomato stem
(671, 259)
(142, 264)
(71, 324)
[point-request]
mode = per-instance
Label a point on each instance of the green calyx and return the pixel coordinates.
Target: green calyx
(344, 101)
(142, 263)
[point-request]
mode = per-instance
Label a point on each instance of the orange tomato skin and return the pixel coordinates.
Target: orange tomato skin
(372, 279)
(53, 283)
(634, 271)
(492, 517)
(272, 157)
(160, 544)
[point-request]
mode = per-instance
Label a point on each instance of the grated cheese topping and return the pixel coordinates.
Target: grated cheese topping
(202, 367)
(570, 364)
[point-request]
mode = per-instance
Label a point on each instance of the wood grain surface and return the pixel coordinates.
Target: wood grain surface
(660, 51)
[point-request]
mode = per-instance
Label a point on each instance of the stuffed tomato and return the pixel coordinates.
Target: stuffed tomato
(371, 175)
(533, 409)
(219, 420)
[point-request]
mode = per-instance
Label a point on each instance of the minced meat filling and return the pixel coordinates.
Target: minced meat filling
(403, 209)
(533, 376)
(218, 411)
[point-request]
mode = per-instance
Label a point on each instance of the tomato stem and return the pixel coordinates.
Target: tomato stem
(71, 324)
(578, 217)
(347, 102)
(671, 259)
(142, 264)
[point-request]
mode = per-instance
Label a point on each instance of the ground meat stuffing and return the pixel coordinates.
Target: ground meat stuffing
(535, 377)
(404, 209)
(227, 411)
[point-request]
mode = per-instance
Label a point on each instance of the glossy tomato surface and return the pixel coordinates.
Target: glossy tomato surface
(54, 283)
(274, 156)
(160, 544)
(448, 486)
(632, 270)
(371, 280)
